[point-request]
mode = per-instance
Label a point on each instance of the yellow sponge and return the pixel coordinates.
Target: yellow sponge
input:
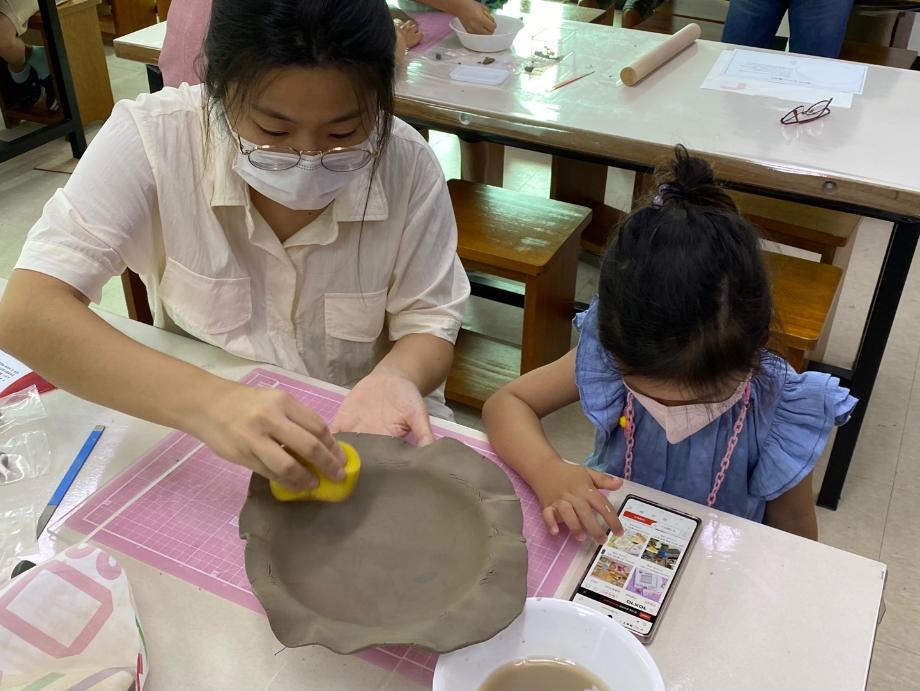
(326, 490)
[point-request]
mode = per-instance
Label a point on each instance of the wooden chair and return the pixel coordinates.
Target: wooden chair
(804, 292)
(529, 240)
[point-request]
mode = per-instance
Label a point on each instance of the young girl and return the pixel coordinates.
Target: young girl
(672, 369)
(279, 212)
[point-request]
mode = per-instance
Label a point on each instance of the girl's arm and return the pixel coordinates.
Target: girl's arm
(46, 323)
(794, 511)
(567, 492)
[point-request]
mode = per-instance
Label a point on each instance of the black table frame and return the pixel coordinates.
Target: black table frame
(70, 126)
(876, 330)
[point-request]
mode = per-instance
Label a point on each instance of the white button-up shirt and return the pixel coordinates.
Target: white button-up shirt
(156, 193)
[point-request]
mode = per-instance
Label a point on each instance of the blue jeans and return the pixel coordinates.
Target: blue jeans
(816, 27)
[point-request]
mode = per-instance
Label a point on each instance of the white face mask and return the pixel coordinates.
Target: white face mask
(682, 421)
(306, 186)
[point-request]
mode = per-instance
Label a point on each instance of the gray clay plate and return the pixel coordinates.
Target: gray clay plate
(428, 551)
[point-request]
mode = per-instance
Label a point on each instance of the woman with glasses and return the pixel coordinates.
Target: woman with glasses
(278, 211)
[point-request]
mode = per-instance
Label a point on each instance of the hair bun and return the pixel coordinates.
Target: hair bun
(690, 179)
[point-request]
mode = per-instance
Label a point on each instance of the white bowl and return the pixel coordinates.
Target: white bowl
(506, 29)
(555, 629)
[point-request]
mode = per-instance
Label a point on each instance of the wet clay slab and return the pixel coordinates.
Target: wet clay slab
(428, 551)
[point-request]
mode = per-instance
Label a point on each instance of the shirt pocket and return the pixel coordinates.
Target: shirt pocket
(357, 317)
(354, 322)
(203, 304)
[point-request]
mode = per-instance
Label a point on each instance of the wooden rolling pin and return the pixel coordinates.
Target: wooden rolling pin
(662, 53)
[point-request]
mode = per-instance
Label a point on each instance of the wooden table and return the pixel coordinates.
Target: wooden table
(854, 161)
(755, 609)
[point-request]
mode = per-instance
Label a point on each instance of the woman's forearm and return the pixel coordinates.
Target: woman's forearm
(422, 358)
(78, 351)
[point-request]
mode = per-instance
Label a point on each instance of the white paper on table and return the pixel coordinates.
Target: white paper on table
(797, 70)
(718, 79)
(11, 370)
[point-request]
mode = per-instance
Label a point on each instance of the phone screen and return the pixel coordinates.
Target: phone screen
(631, 575)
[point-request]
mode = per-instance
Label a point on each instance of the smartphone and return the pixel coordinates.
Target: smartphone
(633, 576)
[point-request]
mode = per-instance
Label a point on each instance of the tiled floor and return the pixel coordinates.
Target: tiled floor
(879, 514)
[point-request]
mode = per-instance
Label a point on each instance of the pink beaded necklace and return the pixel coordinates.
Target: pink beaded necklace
(726, 459)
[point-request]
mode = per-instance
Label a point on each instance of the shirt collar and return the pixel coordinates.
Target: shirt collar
(229, 189)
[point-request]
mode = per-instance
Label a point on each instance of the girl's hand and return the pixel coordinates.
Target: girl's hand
(266, 431)
(475, 18)
(385, 403)
(570, 493)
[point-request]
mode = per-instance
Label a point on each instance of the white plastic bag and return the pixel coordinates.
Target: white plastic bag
(21, 408)
(24, 456)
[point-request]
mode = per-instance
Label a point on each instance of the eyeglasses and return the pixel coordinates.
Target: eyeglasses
(803, 114)
(339, 159)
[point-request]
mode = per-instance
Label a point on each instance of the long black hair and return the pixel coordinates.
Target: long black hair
(248, 38)
(684, 294)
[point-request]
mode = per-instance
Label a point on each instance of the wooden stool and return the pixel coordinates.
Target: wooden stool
(878, 55)
(529, 240)
(803, 294)
(136, 297)
(86, 58)
(797, 225)
(120, 17)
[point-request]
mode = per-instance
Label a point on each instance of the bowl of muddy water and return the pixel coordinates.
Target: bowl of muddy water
(554, 645)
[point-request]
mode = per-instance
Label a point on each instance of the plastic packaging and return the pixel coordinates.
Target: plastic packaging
(17, 535)
(21, 408)
(24, 456)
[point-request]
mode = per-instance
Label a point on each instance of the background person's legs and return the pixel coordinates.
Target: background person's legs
(12, 49)
(754, 22)
(817, 27)
(634, 11)
(28, 65)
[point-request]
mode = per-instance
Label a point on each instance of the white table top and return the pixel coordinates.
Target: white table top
(868, 152)
(755, 609)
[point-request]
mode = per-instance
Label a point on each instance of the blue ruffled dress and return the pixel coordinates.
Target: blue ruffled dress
(788, 423)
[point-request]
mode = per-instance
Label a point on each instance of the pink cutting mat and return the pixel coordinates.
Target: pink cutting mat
(434, 25)
(185, 524)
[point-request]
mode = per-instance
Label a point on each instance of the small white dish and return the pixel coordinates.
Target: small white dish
(488, 76)
(506, 30)
(552, 628)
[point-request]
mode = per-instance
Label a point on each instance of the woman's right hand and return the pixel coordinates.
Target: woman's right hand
(263, 430)
(476, 18)
(569, 493)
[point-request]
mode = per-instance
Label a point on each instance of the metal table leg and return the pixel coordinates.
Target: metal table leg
(57, 57)
(881, 316)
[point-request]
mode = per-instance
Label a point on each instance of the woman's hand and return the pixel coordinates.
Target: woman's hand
(476, 18)
(267, 430)
(408, 34)
(569, 493)
(385, 402)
